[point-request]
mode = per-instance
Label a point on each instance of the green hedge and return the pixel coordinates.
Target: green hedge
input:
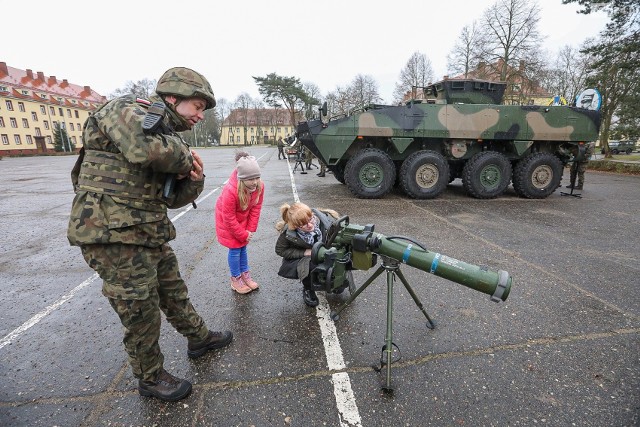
(613, 166)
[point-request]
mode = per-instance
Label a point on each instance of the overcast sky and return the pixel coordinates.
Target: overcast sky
(326, 42)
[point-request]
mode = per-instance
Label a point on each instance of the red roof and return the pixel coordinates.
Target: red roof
(37, 81)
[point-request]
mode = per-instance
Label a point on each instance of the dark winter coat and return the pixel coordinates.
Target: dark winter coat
(291, 247)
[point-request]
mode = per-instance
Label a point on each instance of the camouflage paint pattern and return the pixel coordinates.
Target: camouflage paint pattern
(100, 217)
(432, 123)
(139, 282)
(186, 83)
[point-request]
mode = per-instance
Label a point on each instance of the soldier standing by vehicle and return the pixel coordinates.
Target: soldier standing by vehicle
(132, 167)
(582, 153)
(281, 149)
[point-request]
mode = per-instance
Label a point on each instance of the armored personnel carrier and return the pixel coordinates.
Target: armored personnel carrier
(459, 130)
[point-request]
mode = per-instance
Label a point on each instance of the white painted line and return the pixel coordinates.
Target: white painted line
(8, 339)
(345, 400)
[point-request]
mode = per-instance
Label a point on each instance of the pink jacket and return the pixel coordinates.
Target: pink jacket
(232, 224)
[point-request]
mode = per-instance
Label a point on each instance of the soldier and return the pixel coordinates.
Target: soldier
(132, 167)
(323, 168)
(281, 149)
(579, 166)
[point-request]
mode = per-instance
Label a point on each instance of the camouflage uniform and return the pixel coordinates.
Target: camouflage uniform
(119, 220)
(580, 166)
(281, 153)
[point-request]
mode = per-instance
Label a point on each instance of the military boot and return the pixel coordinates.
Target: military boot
(213, 341)
(166, 387)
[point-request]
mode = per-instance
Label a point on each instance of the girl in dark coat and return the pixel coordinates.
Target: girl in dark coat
(299, 229)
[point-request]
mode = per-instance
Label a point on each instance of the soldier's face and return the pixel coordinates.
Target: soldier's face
(192, 109)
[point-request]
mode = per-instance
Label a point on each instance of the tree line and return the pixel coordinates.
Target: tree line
(507, 39)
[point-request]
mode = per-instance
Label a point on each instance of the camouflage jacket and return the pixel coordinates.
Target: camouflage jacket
(106, 210)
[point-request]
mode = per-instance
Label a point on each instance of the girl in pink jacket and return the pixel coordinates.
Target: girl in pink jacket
(237, 215)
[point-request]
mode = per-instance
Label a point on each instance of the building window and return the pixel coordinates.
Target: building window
(71, 126)
(49, 141)
(79, 126)
(29, 140)
(238, 139)
(14, 122)
(52, 111)
(3, 89)
(25, 92)
(1, 122)
(77, 115)
(38, 133)
(46, 124)
(252, 131)
(9, 105)
(43, 110)
(61, 111)
(16, 139)
(5, 139)
(21, 107)
(34, 116)
(25, 123)
(68, 112)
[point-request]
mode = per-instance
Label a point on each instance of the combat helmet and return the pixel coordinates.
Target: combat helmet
(186, 83)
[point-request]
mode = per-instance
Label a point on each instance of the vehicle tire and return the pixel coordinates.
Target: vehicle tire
(486, 175)
(615, 151)
(424, 174)
(628, 151)
(370, 173)
(537, 176)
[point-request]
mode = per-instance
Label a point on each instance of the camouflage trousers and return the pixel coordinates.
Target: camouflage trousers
(579, 168)
(139, 282)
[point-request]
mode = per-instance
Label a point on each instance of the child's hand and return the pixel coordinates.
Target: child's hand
(249, 236)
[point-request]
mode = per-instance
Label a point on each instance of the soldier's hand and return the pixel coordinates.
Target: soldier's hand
(197, 173)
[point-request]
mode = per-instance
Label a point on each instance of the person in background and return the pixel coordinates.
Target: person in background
(298, 230)
(237, 214)
(582, 153)
(133, 166)
(281, 153)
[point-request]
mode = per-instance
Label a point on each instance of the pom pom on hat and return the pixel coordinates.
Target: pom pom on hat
(247, 166)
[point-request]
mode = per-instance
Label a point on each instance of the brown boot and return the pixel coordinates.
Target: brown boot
(246, 278)
(238, 285)
(166, 387)
(213, 341)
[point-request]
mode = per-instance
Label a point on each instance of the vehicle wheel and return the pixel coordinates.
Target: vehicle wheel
(614, 151)
(628, 151)
(486, 175)
(537, 175)
(370, 174)
(424, 175)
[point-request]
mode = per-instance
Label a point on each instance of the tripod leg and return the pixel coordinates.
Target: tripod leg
(389, 335)
(430, 324)
(335, 314)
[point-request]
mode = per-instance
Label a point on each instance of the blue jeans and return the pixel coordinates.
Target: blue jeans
(238, 262)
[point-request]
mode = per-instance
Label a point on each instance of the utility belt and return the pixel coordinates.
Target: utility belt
(111, 173)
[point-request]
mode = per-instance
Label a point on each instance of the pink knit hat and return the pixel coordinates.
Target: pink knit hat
(247, 166)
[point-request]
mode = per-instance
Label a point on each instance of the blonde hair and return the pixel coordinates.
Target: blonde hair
(295, 215)
(244, 197)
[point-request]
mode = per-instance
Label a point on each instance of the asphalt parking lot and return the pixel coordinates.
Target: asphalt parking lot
(562, 350)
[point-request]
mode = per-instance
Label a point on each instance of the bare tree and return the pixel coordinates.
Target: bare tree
(566, 76)
(510, 36)
(417, 72)
(242, 105)
(464, 55)
(363, 90)
(142, 89)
